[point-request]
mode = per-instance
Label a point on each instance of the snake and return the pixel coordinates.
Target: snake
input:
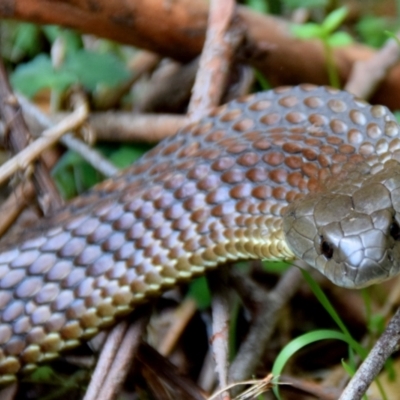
(302, 172)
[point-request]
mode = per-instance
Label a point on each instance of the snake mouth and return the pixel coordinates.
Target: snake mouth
(368, 272)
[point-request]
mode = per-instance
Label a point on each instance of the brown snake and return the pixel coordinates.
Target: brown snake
(305, 171)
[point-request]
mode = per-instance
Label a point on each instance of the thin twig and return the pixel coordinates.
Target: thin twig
(106, 358)
(99, 162)
(160, 372)
(220, 306)
(49, 137)
(269, 308)
(9, 392)
(128, 127)
(118, 126)
(221, 41)
(169, 89)
(372, 365)
(116, 358)
(15, 203)
(366, 75)
(311, 388)
(142, 63)
(182, 315)
(19, 138)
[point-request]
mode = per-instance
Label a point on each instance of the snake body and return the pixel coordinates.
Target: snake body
(304, 171)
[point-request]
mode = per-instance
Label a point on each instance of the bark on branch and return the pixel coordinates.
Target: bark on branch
(176, 29)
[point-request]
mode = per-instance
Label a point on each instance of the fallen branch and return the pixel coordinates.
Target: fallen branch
(177, 30)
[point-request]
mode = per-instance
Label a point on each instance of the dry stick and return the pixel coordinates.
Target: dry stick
(123, 359)
(142, 63)
(107, 355)
(170, 88)
(311, 388)
(158, 371)
(372, 365)
(182, 315)
(48, 138)
(9, 392)
(16, 202)
(115, 359)
(128, 127)
(19, 138)
(269, 308)
(99, 162)
(366, 76)
(206, 379)
(220, 325)
(222, 38)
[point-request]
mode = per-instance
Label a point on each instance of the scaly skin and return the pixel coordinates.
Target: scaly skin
(218, 190)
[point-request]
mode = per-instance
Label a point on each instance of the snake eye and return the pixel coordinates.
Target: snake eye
(394, 230)
(327, 248)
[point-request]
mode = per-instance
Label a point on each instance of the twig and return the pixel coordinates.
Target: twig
(310, 388)
(222, 38)
(128, 127)
(110, 348)
(12, 207)
(367, 75)
(372, 365)
(115, 359)
(9, 392)
(169, 88)
(49, 137)
(99, 162)
(269, 308)
(207, 376)
(182, 315)
(119, 126)
(159, 372)
(19, 138)
(142, 63)
(220, 324)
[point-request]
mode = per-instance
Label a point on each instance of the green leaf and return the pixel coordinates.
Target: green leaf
(339, 39)
(38, 74)
(73, 175)
(376, 324)
(44, 374)
(127, 154)
(348, 368)
(26, 41)
(332, 312)
(94, 69)
(276, 266)
(72, 39)
(372, 29)
(297, 344)
(334, 20)
(293, 4)
(307, 31)
(260, 6)
(198, 289)
(262, 80)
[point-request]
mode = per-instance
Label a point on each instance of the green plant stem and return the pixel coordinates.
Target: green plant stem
(330, 65)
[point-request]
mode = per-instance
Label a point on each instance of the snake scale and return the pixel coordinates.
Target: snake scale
(308, 172)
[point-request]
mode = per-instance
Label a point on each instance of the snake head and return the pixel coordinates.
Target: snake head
(354, 238)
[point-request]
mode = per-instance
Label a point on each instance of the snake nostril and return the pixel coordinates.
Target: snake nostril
(394, 230)
(326, 249)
